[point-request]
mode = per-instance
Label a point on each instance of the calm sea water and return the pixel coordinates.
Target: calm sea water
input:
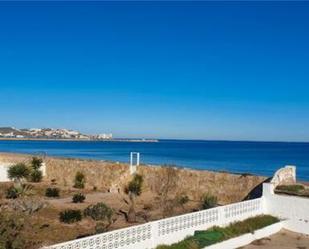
(262, 158)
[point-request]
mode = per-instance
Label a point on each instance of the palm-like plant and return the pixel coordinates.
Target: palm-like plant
(18, 172)
(36, 163)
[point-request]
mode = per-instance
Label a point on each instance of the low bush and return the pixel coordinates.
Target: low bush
(12, 193)
(79, 181)
(99, 211)
(209, 201)
(101, 227)
(182, 200)
(28, 205)
(201, 239)
(78, 198)
(36, 175)
(11, 231)
(19, 191)
(70, 216)
(291, 188)
(52, 192)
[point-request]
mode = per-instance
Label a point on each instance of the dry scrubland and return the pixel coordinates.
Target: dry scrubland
(162, 190)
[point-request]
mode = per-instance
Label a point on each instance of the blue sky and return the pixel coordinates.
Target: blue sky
(235, 71)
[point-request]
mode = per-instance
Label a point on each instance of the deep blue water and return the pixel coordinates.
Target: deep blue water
(262, 158)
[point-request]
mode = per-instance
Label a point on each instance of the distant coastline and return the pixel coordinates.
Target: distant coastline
(51, 134)
(137, 140)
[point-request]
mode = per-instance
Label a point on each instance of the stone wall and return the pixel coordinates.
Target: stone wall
(114, 176)
(195, 183)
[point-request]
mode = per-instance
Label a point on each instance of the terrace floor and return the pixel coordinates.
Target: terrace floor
(282, 240)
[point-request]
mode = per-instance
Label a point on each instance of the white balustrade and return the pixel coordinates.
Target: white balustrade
(166, 231)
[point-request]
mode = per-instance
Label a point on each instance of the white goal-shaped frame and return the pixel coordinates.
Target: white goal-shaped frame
(134, 162)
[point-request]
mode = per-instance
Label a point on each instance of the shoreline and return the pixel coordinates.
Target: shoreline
(81, 140)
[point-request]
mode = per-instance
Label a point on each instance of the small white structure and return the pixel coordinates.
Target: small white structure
(3, 171)
(134, 157)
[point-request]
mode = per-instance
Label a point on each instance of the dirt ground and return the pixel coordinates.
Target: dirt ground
(282, 240)
(45, 227)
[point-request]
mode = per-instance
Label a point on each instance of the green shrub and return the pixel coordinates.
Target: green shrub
(185, 244)
(101, 227)
(78, 198)
(12, 193)
(133, 189)
(79, 181)
(52, 192)
(291, 188)
(252, 224)
(99, 211)
(135, 185)
(36, 175)
(70, 216)
(209, 201)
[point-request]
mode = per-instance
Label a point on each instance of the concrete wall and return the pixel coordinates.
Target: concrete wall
(292, 209)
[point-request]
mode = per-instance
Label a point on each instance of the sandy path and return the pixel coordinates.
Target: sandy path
(282, 240)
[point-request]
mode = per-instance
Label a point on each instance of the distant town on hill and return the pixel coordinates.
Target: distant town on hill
(49, 133)
(12, 133)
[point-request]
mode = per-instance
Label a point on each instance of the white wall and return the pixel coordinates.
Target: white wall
(3, 172)
(294, 210)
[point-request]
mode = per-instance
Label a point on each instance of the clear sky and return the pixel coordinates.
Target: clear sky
(201, 70)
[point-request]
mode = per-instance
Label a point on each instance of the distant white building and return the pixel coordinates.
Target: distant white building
(83, 136)
(10, 134)
(35, 130)
(105, 136)
(72, 133)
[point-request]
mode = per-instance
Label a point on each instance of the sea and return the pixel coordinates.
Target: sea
(259, 158)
